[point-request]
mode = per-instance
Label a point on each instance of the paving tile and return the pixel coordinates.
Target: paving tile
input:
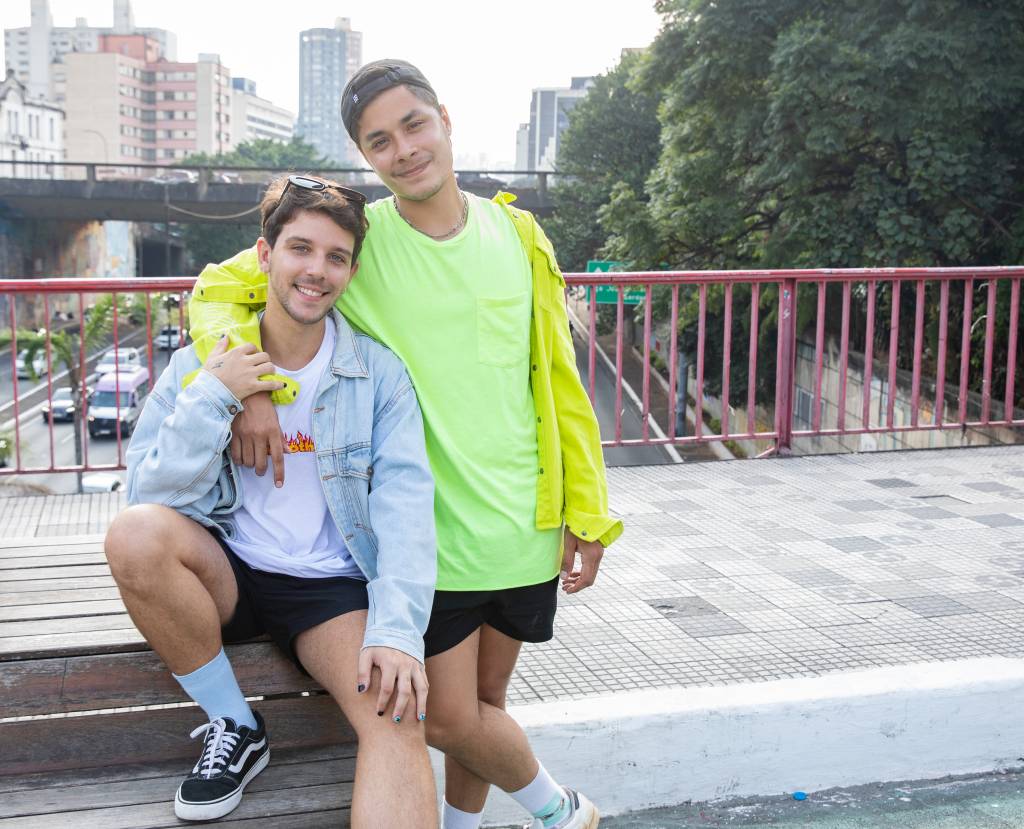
(854, 543)
(929, 606)
(998, 520)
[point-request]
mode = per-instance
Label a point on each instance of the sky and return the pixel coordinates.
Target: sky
(483, 58)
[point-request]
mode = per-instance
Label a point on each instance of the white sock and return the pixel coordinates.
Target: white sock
(537, 797)
(452, 818)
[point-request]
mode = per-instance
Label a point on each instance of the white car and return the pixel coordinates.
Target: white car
(127, 360)
(38, 364)
(169, 338)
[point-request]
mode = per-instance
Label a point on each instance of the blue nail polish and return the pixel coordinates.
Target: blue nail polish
(361, 688)
(398, 719)
(422, 717)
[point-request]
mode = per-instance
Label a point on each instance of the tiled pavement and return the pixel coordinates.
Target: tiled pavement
(755, 570)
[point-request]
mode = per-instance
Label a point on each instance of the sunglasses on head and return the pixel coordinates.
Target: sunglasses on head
(310, 183)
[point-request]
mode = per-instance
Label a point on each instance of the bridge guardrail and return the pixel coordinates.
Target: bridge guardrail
(950, 368)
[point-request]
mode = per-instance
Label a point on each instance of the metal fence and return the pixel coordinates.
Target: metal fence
(709, 307)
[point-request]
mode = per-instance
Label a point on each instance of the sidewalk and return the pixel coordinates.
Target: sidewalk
(834, 619)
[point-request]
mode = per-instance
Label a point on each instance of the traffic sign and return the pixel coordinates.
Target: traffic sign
(609, 294)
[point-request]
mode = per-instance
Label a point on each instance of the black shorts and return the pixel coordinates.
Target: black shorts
(523, 613)
(284, 606)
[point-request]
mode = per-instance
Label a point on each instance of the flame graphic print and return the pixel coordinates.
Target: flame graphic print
(299, 443)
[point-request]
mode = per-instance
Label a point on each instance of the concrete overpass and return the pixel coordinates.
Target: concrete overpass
(203, 194)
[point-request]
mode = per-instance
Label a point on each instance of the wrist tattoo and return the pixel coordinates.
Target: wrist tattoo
(218, 364)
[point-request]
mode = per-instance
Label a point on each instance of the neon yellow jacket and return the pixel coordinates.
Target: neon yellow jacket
(571, 483)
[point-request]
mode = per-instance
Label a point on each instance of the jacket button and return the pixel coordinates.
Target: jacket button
(542, 470)
(538, 420)
(232, 409)
(535, 367)
(252, 296)
(369, 471)
(584, 533)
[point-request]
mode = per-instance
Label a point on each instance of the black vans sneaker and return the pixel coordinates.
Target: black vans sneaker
(232, 756)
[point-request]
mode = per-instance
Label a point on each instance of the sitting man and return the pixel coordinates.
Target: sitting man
(338, 565)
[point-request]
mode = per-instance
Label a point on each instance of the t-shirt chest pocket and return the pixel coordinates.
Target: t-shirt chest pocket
(503, 330)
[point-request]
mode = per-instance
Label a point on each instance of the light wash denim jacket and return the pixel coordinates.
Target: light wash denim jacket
(372, 460)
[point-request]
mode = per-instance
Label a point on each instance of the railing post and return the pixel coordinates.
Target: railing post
(90, 173)
(542, 186)
(786, 371)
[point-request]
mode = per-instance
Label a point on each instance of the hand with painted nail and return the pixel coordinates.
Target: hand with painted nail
(402, 678)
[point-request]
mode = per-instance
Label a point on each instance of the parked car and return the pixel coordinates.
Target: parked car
(175, 177)
(38, 365)
(169, 338)
(115, 405)
(125, 360)
(63, 405)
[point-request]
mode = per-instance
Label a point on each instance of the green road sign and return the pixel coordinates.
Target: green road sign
(607, 294)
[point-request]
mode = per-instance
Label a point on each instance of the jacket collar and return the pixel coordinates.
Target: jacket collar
(347, 361)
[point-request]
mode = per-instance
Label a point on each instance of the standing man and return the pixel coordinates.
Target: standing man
(467, 292)
(336, 563)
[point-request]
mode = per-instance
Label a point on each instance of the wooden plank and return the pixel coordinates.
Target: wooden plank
(88, 683)
(59, 609)
(153, 735)
(302, 807)
(55, 560)
(35, 573)
(42, 598)
(96, 539)
(56, 550)
(68, 778)
(42, 584)
(160, 788)
(36, 648)
(74, 624)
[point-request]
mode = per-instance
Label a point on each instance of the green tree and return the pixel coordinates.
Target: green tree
(216, 241)
(612, 140)
(805, 133)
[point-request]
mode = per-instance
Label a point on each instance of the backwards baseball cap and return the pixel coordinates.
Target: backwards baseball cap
(370, 81)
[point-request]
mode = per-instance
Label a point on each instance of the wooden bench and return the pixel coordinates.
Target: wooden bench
(67, 647)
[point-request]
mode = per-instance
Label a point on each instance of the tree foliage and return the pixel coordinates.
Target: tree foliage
(806, 133)
(612, 140)
(214, 242)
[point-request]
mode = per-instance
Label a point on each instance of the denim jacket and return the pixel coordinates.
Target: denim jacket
(370, 453)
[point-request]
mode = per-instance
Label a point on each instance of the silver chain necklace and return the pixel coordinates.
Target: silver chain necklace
(440, 236)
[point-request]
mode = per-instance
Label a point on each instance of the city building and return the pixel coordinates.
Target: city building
(254, 118)
(523, 147)
(126, 104)
(30, 130)
(549, 116)
(34, 51)
(327, 59)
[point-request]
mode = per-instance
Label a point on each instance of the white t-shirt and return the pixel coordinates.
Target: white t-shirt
(290, 530)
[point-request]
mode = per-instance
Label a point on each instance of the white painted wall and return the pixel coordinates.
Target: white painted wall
(664, 747)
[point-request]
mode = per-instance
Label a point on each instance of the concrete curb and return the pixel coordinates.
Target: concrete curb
(665, 747)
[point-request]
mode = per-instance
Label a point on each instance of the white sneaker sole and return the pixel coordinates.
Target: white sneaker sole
(218, 808)
(594, 818)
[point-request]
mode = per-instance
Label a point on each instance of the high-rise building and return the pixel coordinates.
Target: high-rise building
(35, 52)
(30, 130)
(549, 116)
(253, 117)
(327, 59)
(125, 104)
(523, 147)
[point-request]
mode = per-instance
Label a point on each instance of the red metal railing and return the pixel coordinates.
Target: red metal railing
(788, 283)
(12, 407)
(770, 419)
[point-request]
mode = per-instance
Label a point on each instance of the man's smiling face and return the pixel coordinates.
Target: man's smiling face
(309, 267)
(407, 142)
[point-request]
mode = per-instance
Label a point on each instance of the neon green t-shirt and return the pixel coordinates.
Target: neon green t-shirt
(457, 313)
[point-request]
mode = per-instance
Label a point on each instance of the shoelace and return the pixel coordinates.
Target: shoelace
(220, 743)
